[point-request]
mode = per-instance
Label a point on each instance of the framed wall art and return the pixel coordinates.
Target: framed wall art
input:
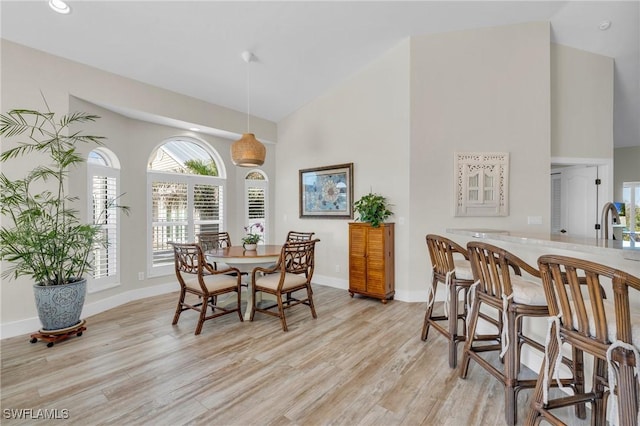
(327, 192)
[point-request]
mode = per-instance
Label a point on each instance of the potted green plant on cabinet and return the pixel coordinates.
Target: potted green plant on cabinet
(371, 249)
(44, 237)
(372, 208)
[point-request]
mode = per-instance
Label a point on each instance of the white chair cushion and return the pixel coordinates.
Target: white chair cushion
(212, 282)
(463, 269)
(610, 313)
(527, 292)
(271, 281)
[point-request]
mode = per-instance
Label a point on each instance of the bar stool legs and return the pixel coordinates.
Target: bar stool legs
(452, 317)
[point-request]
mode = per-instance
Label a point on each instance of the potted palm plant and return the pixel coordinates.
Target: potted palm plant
(44, 237)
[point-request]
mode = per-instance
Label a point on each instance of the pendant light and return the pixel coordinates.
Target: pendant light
(248, 151)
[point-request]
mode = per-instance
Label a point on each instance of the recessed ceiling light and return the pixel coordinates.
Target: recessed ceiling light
(59, 6)
(604, 25)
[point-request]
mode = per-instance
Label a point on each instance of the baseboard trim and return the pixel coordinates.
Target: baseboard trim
(30, 325)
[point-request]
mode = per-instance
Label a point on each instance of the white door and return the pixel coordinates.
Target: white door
(579, 201)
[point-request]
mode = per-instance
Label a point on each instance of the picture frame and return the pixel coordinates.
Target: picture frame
(327, 192)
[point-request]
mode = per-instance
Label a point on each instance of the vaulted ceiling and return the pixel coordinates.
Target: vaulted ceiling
(302, 48)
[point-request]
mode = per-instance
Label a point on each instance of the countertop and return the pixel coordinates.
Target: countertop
(629, 250)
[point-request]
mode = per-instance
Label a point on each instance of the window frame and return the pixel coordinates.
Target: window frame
(190, 180)
(262, 184)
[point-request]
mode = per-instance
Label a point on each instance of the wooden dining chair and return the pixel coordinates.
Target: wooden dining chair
(197, 278)
(299, 236)
(609, 330)
(451, 269)
(287, 278)
(503, 289)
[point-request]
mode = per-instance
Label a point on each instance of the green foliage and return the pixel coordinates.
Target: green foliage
(46, 239)
(252, 238)
(199, 167)
(372, 208)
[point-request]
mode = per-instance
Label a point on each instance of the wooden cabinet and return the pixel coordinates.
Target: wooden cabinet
(371, 260)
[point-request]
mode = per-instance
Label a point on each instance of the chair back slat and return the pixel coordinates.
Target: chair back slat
(490, 267)
(441, 252)
(187, 258)
(214, 240)
(585, 314)
(299, 236)
(298, 257)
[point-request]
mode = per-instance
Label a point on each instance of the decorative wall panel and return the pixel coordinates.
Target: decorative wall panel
(482, 183)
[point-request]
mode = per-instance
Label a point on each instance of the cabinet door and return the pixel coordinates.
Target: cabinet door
(376, 273)
(358, 258)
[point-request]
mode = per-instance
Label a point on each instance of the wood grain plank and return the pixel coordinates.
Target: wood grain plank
(360, 362)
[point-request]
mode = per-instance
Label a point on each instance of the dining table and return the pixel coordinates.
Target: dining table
(246, 260)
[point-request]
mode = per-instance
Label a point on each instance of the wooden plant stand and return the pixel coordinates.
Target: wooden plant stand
(55, 336)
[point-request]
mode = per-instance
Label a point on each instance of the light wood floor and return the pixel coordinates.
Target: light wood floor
(361, 362)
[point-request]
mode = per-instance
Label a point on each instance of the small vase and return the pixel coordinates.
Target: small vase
(250, 247)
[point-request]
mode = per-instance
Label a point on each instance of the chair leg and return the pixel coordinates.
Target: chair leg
(253, 303)
(453, 326)
(239, 305)
(537, 399)
(427, 316)
(471, 332)
(598, 407)
(203, 314)
(511, 367)
(577, 370)
(281, 314)
(176, 316)
(627, 395)
(311, 305)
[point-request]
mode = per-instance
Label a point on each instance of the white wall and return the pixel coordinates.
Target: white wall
(364, 120)
(581, 104)
(483, 90)
(401, 119)
(69, 86)
(627, 168)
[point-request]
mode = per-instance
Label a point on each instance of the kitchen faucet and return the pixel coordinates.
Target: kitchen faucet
(608, 209)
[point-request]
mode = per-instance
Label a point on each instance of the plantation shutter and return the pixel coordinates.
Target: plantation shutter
(185, 197)
(182, 207)
(207, 208)
(256, 203)
(105, 259)
(169, 219)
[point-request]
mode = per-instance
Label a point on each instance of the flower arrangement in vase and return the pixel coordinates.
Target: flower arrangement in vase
(251, 240)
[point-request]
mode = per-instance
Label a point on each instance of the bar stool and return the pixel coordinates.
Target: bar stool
(607, 330)
(502, 287)
(457, 277)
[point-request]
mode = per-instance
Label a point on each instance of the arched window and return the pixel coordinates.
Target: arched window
(103, 170)
(256, 189)
(186, 184)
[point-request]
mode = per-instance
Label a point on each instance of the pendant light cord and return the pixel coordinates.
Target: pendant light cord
(248, 95)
